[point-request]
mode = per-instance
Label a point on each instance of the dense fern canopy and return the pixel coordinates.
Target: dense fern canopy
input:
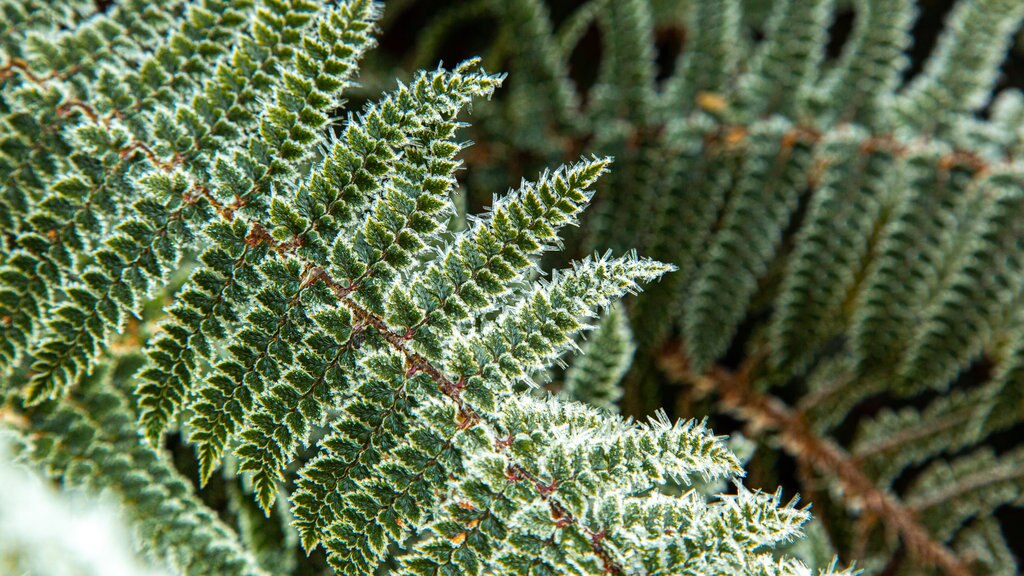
(208, 251)
(293, 303)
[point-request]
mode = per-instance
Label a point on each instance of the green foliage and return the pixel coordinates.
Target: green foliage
(90, 440)
(595, 375)
(198, 258)
(45, 532)
(765, 194)
(846, 235)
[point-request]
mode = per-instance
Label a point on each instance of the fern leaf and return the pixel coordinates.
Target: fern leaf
(334, 195)
(142, 251)
(787, 61)
(833, 242)
(700, 170)
(871, 63)
(426, 445)
(474, 274)
(984, 546)
(960, 74)
(979, 291)
(893, 441)
(773, 177)
(595, 374)
(946, 495)
(625, 85)
(534, 331)
(716, 26)
(537, 61)
(909, 255)
(1006, 406)
(398, 222)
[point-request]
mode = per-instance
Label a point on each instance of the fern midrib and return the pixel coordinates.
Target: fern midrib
(967, 484)
(467, 413)
(907, 436)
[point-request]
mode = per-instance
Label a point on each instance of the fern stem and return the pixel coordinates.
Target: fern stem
(737, 396)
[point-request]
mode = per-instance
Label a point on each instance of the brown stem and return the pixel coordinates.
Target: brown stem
(824, 455)
(7, 70)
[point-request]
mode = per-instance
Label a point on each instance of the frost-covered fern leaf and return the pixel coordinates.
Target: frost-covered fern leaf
(205, 252)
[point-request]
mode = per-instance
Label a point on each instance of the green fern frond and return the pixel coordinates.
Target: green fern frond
(205, 250)
(946, 495)
(960, 74)
(870, 66)
(833, 243)
(140, 253)
(773, 176)
(978, 293)
(595, 374)
(716, 26)
(787, 61)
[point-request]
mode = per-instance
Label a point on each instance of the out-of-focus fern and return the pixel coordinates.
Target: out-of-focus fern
(45, 532)
(596, 374)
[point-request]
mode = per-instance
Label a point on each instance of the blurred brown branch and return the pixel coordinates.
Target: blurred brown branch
(764, 412)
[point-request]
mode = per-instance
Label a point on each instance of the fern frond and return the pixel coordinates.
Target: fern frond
(910, 254)
(833, 242)
(539, 63)
(787, 61)
(535, 330)
(772, 178)
(595, 374)
(716, 27)
(871, 63)
(625, 85)
(960, 73)
(334, 195)
(946, 495)
(893, 441)
(474, 274)
(428, 446)
(980, 291)
(140, 253)
(984, 545)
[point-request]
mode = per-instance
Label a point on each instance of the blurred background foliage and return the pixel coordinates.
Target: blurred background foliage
(541, 117)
